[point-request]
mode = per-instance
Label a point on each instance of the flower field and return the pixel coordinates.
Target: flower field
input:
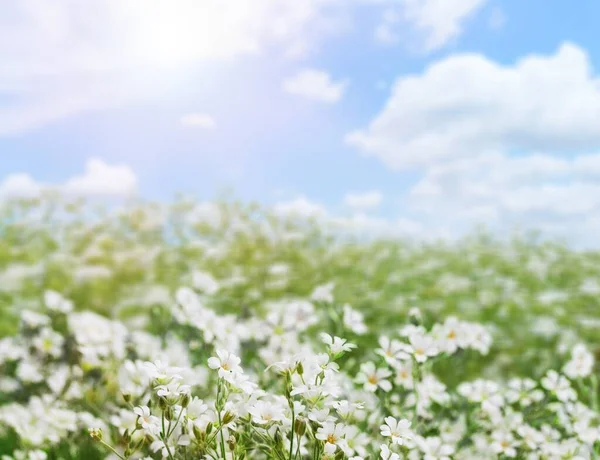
(224, 330)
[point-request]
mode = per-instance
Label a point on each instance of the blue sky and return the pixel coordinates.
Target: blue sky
(468, 135)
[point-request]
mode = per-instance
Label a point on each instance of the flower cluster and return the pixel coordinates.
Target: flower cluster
(278, 386)
(204, 330)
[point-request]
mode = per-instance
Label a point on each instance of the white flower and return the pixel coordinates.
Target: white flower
(264, 412)
(30, 455)
(333, 436)
(299, 315)
(149, 423)
(434, 448)
(398, 430)
(11, 350)
(485, 392)
(357, 441)
(49, 342)
(450, 335)
(337, 345)
(587, 434)
(29, 371)
(387, 454)
(320, 416)
(403, 373)
(478, 338)
(323, 293)
(423, 347)
(227, 365)
(34, 320)
(531, 437)
(523, 391)
(242, 382)
(162, 372)
(157, 445)
(346, 409)
(354, 320)
(504, 443)
(97, 337)
(581, 363)
(196, 408)
(172, 390)
(205, 282)
(393, 350)
(559, 385)
(373, 378)
(56, 302)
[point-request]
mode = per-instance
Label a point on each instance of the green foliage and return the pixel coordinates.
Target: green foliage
(115, 261)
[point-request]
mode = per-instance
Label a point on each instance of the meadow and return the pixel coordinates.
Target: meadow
(223, 330)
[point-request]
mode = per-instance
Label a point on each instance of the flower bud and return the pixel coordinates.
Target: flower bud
(185, 400)
(162, 403)
(198, 434)
(231, 443)
(300, 368)
(209, 428)
(415, 316)
(300, 426)
(278, 438)
(127, 397)
(228, 417)
(95, 434)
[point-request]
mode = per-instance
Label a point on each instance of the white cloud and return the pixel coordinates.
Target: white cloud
(559, 196)
(504, 145)
(466, 105)
(64, 57)
(200, 120)
(19, 185)
(434, 22)
(364, 200)
(354, 224)
(99, 179)
(102, 179)
(316, 85)
(299, 207)
(511, 183)
(61, 58)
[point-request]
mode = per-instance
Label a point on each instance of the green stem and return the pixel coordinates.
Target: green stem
(594, 380)
(292, 432)
(170, 431)
(416, 380)
(220, 421)
(113, 450)
(297, 448)
(164, 440)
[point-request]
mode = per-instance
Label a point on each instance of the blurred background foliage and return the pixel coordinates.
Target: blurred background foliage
(125, 262)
